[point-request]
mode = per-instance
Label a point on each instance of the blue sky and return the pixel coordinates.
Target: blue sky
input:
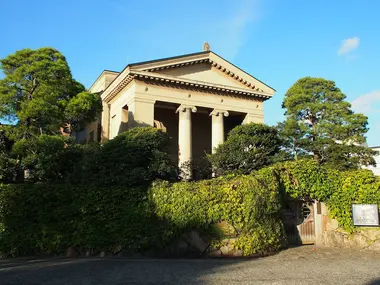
(276, 41)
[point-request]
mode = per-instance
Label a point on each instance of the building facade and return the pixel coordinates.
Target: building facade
(196, 98)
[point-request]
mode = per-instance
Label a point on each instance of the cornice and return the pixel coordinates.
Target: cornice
(135, 71)
(182, 83)
(213, 64)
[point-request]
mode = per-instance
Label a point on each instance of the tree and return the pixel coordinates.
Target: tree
(47, 157)
(8, 164)
(320, 122)
(290, 134)
(248, 147)
(81, 109)
(40, 95)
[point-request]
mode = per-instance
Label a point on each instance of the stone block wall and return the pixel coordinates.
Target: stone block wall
(332, 235)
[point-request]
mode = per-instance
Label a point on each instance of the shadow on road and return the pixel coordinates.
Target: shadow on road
(374, 282)
(112, 271)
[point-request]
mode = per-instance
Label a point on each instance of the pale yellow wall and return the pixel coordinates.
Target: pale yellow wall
(103, 81)
(99, 85)
(241, 73)
(203, 72)
(169, 118)
(141, 112)
(117, 114)
(201, 99)
(140, 98)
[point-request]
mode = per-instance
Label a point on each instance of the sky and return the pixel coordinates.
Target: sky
(276, 41)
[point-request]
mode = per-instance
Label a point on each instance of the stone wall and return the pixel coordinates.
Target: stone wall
(334, 236)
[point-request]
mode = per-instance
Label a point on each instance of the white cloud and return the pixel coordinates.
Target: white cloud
(348, 45)
(367, 103)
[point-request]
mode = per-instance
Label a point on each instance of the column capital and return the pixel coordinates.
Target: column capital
(184, 108)
(218, 112)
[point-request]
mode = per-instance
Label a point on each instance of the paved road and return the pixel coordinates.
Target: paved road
(304, 265)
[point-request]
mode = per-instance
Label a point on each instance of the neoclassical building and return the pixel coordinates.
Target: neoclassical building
(196, 98)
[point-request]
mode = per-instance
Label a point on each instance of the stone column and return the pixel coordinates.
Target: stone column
(217, 127)
(105, 119)
(184, 140)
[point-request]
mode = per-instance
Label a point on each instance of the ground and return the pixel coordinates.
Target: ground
(302, 265)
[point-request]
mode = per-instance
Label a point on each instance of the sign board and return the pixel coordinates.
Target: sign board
(365, 214)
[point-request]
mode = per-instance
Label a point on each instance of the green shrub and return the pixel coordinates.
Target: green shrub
(250, 204)
(8, 164)
(37, 218)
(305, 179)
(356, 187)
(48, 218)
(48, 158)
(135, 157)
(248, 147)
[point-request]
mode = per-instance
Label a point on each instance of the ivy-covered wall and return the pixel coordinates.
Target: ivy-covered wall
(251, 205)
(49, 218)
(338, 189)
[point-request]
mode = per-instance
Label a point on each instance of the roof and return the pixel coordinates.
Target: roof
(209, 56)
(101, 74)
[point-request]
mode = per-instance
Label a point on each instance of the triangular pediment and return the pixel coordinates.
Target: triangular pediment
(203, 72)
(205, 67)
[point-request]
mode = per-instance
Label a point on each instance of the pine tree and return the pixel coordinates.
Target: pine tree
(321, 123)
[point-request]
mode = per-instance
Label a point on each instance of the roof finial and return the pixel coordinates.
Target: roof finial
(206, 46)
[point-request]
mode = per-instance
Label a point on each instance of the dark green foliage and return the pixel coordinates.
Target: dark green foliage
(291, 134)
(48, 218)
(37, 91)
(36, 218)
(80, 110)
(135, 157)
(39, 97)
(320, 122)
(48, 158)
(248, 147)
(8, 164)
(251, 204)
(35, 84)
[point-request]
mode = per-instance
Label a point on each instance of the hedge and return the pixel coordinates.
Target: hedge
(305, 179)
(45, 218)
(48, 218)
(250, 204)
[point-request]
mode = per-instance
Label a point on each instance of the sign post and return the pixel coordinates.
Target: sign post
(365, 215)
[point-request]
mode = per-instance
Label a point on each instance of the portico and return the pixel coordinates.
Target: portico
(195, 98)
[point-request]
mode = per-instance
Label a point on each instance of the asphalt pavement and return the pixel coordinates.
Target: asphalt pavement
(303, 265)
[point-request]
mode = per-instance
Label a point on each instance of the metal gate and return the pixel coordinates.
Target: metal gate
(299, 222)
